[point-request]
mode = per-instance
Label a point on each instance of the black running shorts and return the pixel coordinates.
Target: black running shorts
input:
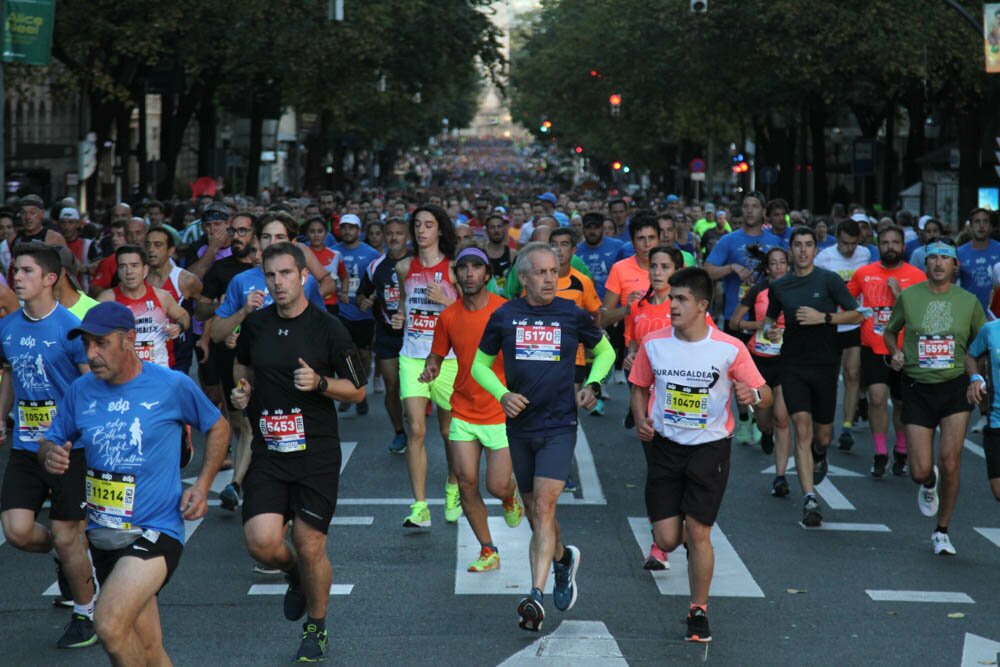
(875, 369)
(362, 331)
(848, 339)
(296, 488)
(26, 486)
(991, 446)
(926, 404)
(770, 369)
(151, 545)
(685, 480)
(811, 389)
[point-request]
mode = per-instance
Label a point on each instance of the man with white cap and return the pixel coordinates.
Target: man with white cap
(70, 224)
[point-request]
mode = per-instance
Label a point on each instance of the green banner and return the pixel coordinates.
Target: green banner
(27, 31)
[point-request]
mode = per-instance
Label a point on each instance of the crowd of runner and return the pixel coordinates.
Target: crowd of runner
(509, 315)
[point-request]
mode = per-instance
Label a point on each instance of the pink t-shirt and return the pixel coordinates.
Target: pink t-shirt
(692, 382)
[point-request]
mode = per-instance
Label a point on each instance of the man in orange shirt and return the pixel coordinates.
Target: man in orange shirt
(478, 421)
(879, 283)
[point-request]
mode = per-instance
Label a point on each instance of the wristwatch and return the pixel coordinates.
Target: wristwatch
(323, 384)
(828, 318)
(596, 388)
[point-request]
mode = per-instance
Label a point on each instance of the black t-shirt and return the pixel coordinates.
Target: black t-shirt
(820, 289)
(289, 424)
(219, 274)
(380, 279)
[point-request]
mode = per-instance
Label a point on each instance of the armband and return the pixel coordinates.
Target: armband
(355, 369)
(976, 377)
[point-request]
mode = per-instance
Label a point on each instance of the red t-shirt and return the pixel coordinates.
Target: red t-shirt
(870, 282)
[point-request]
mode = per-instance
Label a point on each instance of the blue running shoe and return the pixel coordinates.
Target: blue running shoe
(398, 444)
(564, 590)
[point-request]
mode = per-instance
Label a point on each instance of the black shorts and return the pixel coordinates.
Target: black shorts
(770, 369)
(26, 486)
(685, 480)
(875, 369)
(362, 331)
(926, 404)
(387, 346)
(548, 456)
(293, 488)
(991, 446)
(848, 339)
(143, 549)
(811, 389)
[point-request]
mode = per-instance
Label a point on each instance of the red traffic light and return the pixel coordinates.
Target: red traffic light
(741, 167)
(578, 149)
(594, 73)
(616, 165)
(615, 99)
(547, 124)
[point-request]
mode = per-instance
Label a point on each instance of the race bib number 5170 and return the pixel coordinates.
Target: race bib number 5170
(537, 342)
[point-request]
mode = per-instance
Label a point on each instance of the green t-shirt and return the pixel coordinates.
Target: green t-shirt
(512, 288)
(704, 225)
(81, 307)
(937, 329)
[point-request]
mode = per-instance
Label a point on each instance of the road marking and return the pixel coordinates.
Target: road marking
(978, 650)
(832, 471)
(564, 500)
(919, 596)
(577, 643)
(832, 495)
(977, 450)
(514, 576)
(279, 589)
(190, 527)
(352, 521)
(218, 484)
(346, 449)
(590, 483)
(52, 590)
(859, 527)
(3, 538)
(992, 534)
(731, 579)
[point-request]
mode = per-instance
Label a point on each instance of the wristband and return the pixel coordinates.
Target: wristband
(976, 377)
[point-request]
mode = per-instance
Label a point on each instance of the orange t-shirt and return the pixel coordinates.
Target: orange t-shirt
(579, 289)
(647, 317)
(625, 277)
(461, 329)
(870, 282)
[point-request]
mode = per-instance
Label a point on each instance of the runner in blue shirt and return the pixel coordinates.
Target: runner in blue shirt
(598, 251)
(987, 342)
(43, 363)
(977, 257)
(128, 416)
(538, 335)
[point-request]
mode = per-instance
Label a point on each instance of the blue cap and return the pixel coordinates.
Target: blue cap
(940, 249)
(104, 318)
(549, 197)
(672, 198)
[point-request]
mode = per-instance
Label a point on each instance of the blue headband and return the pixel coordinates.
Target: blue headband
(941, 249)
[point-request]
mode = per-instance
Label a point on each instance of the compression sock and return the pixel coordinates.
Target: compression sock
(901, 443)
(320, 623)
(879, 440)
(84, 609)
(941, 529)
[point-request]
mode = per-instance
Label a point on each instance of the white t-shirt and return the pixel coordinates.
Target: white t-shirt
(831, 259)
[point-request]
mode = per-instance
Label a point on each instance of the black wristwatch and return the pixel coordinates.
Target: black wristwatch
(323, 384)
(828, 318)
(596, 388)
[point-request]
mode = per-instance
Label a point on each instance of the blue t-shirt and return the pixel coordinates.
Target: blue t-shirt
(356, 261)
(539, 346)
(731, 249)
(873, 249)
(599, 260)
(253, 280)
(830, 241)
(975, 269)
(44, 363)
(910, 247)
(627, 250)
(131, 434)
(988, 340)
(919, 258)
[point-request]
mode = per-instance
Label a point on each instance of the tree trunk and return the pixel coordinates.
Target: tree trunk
(123, 147)
(208, 123)
(253, 160)
(916, 137)
(969, 135)
(175, 114)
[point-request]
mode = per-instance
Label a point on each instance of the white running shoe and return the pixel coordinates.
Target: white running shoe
(942, 544)
(378, 385)
(927, 499)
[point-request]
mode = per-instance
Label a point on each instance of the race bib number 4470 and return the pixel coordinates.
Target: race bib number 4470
(537, 342)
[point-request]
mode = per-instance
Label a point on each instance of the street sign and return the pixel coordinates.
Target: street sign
(27, 31)
(863, 162)
(698, 176)
(697, 166)
(991, 36)
(767, 175)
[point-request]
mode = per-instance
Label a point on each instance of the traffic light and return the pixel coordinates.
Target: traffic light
(616, 165)
(741, 167)
(699, 6)
(616, 103)
(546, 126)
(578, 150)
(594, 73)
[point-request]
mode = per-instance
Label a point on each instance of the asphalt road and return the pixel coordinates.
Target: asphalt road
(870, 593)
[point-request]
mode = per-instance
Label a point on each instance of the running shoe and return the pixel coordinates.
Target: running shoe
(620, 377)
(488, 560)
(697, 626)
(898, 463)
(378, 385)
(564, 588)
(398, 444)
(531, 612)
(420, 516)
(60, 601)
(344, 406)
(452, 503)
(265, 569)
(657, 559)
(846, 440)
(779, 487)
(927, 499)
(820, 465)
(743, 434)
(767, 442)
(230, 497)
(878, 467)
(313, 646)
(598, 410)
(942, 544)
(755, 433)
(64, 589)
(811, 516)
(295, 597)
(362, 407)
(570, 485)
(80, 632)
(514, 513)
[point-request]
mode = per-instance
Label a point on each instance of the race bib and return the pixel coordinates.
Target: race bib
(352, 286)
(880, 318)
(391, 298)
(283, 433)
(422, 323)
(34, 418)
(110, 498)
(936, 351)
(767, 347)
(144, 349)
(537, 342)
(685, 407)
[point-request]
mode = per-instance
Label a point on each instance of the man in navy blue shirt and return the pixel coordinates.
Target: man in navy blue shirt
(538, 335)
